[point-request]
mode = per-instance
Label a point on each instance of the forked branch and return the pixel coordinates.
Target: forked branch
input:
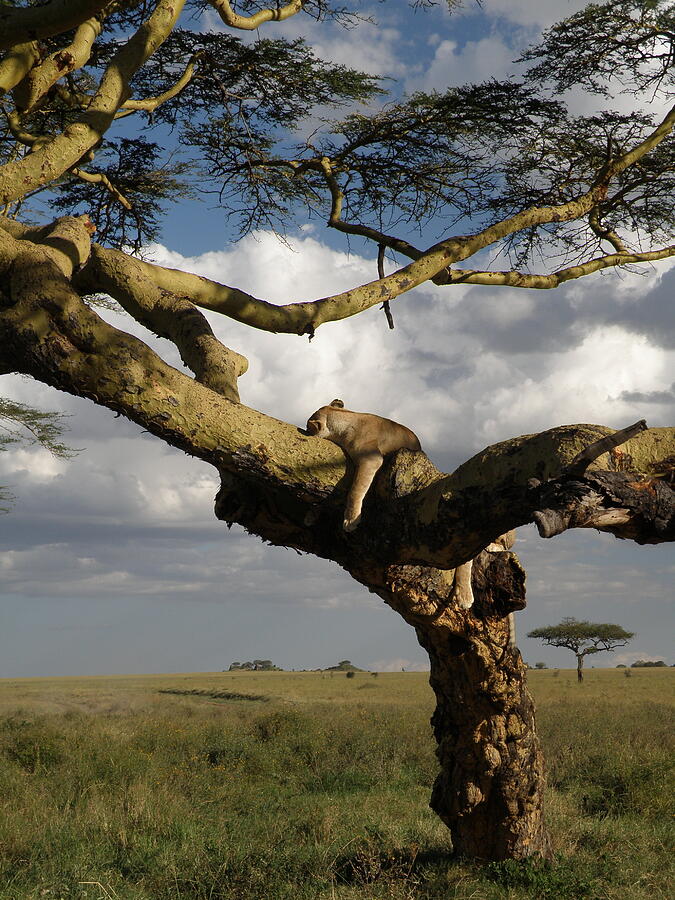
(64, 151)
(255, 20)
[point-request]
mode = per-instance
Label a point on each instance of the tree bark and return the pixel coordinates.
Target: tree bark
(490, 786)
(580, 668)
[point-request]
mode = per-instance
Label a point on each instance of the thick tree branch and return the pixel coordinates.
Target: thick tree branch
(34, 22)
(42, 76)
(56, 156)
(289, 488)
(167, 315)
(296, 318)
(17, 64)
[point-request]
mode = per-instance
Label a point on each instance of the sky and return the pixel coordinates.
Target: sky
(112, 561)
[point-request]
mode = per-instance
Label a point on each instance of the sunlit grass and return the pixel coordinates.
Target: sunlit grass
(317, 789)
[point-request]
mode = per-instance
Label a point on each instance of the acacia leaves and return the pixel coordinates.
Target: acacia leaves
(22, 424)
(608, 47)
(132, 167)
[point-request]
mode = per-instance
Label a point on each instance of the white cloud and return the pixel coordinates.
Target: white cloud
(39, 464)
(398, 664)
(548, 363)
(540, 15)
(453, 64)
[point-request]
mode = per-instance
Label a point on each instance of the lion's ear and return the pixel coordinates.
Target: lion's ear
(338, 403)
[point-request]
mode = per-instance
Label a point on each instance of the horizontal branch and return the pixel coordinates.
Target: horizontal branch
(290, 488)
(306, 317)
(554, 279)
(35, 22)
(300, 318)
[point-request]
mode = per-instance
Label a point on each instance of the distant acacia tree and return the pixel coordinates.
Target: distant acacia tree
(582, 638)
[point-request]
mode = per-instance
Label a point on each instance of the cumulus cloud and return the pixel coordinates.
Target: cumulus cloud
(538, 15)
(453, 63)
(399, 664)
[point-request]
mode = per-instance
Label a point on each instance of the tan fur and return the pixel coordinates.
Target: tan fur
(366, 439)
(462, 591)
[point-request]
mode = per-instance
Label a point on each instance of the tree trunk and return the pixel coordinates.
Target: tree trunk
(580, 669)
(490, 787)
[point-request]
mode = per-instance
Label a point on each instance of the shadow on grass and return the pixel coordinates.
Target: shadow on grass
(368, 864)
(215, 695)
(561, 879)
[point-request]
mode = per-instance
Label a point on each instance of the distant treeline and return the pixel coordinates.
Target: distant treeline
(266, 665)
(646, 664)
(256, 665)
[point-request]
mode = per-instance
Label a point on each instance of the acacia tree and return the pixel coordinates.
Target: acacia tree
(504, 166)
(583, 638)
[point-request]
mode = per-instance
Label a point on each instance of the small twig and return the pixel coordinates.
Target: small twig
(380, 274)
(101, 178)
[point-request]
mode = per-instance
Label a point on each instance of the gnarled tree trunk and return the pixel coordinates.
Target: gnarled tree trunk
(490, 787)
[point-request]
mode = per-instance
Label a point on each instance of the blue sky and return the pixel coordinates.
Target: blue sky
(113, 561)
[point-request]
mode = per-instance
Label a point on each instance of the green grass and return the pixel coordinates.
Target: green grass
(258, 786)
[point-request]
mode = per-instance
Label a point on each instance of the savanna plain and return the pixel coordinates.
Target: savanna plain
(314, 786)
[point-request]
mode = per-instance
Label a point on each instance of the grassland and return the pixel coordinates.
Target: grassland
(266, 786)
